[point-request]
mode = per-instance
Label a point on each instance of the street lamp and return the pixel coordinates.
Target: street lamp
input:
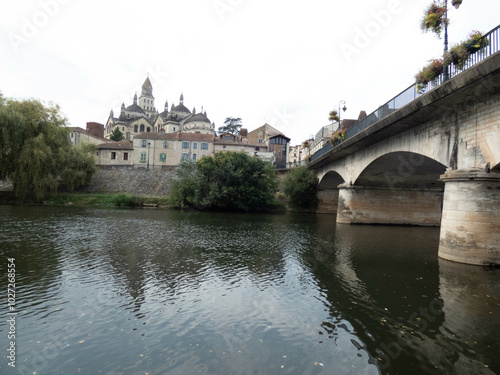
(456, 4)
(344, 108)
(149, 145)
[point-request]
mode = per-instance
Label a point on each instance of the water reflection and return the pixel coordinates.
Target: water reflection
(385, 282)
(471, 309)
(135, 291)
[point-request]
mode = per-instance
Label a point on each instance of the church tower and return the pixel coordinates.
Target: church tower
(147, 100)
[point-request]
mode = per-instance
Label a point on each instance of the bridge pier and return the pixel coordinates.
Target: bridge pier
(398, 206)
(328, 201)
(470, 226)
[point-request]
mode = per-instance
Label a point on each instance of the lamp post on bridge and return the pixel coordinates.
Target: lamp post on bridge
(344, 108)
(149, 145)
(456, 4)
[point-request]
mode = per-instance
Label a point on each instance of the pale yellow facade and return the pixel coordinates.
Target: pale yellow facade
(154, 151)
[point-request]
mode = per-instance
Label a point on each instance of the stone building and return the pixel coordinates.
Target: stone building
(274, 141)
(155, 151)
(231, 142)
(143, 117)
(93, 134)
(115, 154)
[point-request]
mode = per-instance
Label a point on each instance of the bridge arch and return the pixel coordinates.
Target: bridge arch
(328, 192)
(402, 169)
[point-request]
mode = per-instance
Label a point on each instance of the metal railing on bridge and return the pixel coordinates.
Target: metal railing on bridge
(411, 93)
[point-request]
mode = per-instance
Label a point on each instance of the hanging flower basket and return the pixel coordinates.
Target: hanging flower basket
(333, 116)
(434, 18)
(428, 74)
(457, 55)
(337, 137)
(475, 42)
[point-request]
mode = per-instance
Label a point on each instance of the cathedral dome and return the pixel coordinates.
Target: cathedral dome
(199, 117)
(134, 108)
(181, 108)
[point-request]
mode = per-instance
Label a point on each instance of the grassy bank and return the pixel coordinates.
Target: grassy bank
(80, 199)
(110, 200)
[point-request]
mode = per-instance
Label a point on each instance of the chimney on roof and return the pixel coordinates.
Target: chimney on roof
(95, 129)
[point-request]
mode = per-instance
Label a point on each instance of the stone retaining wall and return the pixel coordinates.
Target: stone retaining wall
(150, 183)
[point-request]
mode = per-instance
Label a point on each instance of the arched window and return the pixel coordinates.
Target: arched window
(148, 130)
(135, 128)
(142, 128)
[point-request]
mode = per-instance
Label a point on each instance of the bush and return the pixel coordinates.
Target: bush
(300, 185)
(227, 180)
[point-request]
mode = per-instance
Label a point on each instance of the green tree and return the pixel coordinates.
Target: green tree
(300, 186)
(227, 180)
(116, 135)
(80, 166)
(185, 186)
(232, 125)
(35, 148)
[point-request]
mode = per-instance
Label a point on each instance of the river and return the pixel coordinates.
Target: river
(121, 291)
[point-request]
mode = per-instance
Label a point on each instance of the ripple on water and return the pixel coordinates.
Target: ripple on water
(132, 291)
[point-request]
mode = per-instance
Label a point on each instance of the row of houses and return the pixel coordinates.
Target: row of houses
(298, 154)
(152, 150)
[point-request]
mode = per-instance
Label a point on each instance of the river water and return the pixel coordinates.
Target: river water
(118, 291)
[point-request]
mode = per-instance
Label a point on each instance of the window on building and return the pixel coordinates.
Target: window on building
(149, 130)
(71, 135)
(142, 128)
(260, 134)
(195, 145)
(185, 144)
(136, 128)
(194, 157)
(125, 156)
(204, 146)
(113, 155)
(163, 157)
(284, 149)
(165, 144)
(123, 128)
(144, 143)
(185, 156)
(143, 157)
(257, 148)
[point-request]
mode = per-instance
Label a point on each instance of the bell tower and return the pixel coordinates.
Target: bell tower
(147, 100)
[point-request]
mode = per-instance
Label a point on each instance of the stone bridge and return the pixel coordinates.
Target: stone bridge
(435, 162)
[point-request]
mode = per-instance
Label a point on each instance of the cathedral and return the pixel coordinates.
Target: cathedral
(143, 117)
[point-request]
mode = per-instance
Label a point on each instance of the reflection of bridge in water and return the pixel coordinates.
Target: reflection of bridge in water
(433, 161)
(452, 327)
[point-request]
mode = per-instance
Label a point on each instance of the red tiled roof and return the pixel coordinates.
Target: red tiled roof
(177, 136)
(122, 145)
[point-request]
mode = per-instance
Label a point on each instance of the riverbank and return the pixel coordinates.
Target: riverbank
(85, 200)
(105, 200)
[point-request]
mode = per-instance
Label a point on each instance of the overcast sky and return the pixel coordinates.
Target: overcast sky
(284, 62)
